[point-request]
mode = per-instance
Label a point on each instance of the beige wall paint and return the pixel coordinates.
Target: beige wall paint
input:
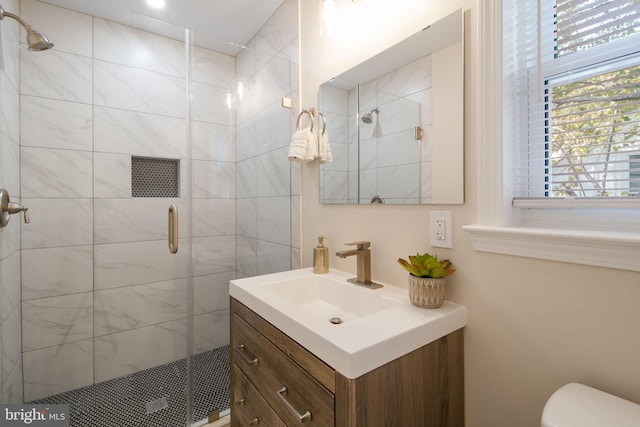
(533, 325)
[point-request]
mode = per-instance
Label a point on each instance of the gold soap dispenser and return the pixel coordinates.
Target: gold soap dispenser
(321, 257)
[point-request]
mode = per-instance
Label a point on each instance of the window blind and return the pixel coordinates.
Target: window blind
(574, 109)
(584, 24)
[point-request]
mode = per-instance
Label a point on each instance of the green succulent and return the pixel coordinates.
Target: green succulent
(427, 265)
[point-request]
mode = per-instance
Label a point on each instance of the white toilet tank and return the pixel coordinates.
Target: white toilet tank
(576, 405)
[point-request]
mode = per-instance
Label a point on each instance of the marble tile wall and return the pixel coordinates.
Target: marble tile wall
(268, 186)
(102, 297)
(11, 385)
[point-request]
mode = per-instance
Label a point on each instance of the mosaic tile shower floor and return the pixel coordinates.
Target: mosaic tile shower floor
(122, 402)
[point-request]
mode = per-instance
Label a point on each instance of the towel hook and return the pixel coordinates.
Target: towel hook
(302, 113)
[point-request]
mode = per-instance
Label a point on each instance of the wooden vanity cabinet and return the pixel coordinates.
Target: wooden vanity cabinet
(277, 382)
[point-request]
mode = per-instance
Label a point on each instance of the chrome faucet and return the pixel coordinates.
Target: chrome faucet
(363, 254)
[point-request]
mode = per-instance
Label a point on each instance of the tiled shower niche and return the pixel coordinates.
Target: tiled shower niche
(152, 177)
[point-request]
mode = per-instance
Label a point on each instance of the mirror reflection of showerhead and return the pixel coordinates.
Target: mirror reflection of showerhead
(367, 118)
(35, 39)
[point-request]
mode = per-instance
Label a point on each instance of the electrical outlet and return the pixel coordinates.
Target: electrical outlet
(440, 229)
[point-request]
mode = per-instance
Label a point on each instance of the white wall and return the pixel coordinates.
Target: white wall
(533, 325)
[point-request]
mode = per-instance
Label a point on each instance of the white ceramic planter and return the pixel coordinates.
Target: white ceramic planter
(426, 292)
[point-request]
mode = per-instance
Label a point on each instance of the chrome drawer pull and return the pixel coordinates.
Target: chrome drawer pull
(252, 422)
(246, 358)
(302, 418)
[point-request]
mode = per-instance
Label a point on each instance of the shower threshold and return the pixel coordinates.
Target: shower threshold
(125, 401)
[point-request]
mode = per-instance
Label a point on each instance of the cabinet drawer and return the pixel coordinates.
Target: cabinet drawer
(248, 408)
(289, 390)
(319, 370)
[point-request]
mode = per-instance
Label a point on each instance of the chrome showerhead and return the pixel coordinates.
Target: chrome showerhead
(35, 39)
(367, 118)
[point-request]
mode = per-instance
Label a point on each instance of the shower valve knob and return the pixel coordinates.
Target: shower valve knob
(15, 208)
(7, 208)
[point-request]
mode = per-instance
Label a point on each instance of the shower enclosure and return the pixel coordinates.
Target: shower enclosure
(99, 136)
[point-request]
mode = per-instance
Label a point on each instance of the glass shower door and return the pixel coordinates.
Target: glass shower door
(211, 120)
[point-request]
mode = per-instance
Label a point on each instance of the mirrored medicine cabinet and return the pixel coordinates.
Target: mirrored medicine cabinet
(395, 123)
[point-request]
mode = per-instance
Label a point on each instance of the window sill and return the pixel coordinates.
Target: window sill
(602, 249)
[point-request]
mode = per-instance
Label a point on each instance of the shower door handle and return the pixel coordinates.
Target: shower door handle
(173, 229)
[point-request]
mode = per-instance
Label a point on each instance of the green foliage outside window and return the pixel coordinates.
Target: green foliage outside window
(594, 120)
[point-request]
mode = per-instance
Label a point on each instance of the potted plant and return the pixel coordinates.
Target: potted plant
(427, 279)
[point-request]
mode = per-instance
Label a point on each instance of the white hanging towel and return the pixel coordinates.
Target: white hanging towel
(299, 145)
(312, 147)
(325, 148)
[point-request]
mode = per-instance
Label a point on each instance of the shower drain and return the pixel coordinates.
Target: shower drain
(156, 405)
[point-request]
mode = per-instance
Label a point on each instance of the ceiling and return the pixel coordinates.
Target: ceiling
(222, 25)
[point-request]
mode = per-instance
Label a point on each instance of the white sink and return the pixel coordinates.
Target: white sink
(372, 326)
(327, 298)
